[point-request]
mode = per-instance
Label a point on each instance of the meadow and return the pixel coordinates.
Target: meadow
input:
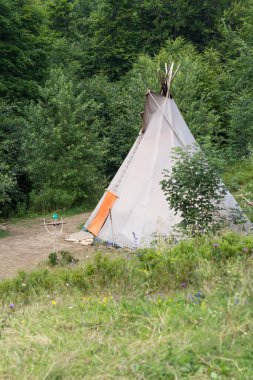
(174, 312)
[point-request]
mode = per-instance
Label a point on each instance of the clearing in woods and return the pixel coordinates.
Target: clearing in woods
(28, 244)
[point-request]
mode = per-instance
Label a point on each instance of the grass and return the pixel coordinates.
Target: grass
(3, 234)
(102, 337)
(239, 180)
(182, 312)
(30, 215)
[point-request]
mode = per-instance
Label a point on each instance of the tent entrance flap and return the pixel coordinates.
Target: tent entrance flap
(98, 221)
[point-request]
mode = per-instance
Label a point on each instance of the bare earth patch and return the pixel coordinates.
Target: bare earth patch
(28, 244)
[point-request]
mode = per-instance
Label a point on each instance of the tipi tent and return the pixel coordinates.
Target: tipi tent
(133, 210)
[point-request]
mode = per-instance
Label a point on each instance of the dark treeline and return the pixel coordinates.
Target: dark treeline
(73, 74)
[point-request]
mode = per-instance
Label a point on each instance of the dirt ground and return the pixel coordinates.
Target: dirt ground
(28, 244)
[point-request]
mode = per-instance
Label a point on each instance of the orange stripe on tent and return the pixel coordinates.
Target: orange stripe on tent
(98, 221)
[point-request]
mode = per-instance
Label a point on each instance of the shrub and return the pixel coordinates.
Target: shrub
(65, 258)
(197, 263)
(194, 190)
(51, 199)
(52, 259)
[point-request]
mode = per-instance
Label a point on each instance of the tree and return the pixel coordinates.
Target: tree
(196, 21)
(241, 125)
(25, 39)
(194, 190)
(12, 163)
(60, 15)
(7, 187)
(115, 41)
(62, 152)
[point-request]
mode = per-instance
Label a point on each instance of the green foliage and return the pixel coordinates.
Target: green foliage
(241, 124)
(3, 233)
(14, 182)
(196, 22)
(7, 188)
(194, 262)
(117, 117)
(25, 41)
(67, 258)
(52, 259)
(86, 65)
(194, 190)
(62, 151)
(159, 320)
(51, 199)
(188, 262)
(115, 40)
(238, 177)
(62, 258)
(59, 15)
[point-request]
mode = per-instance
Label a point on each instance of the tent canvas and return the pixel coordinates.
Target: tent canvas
(138, 212)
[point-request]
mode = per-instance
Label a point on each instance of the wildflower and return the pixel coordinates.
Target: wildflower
(183, 285)
(200, 295)
(190, 297)
(143, 271)
(23, 285)
(215, 245)
(12, 306)
(53, 302)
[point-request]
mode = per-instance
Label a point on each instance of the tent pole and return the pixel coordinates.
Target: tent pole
(113, 242)
(169, 75)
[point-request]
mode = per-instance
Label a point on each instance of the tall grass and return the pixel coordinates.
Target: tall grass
(182, 312)
(238, 177)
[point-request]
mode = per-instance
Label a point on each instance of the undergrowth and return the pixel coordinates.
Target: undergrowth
(177, 312)
(238, 178)
(3, 233)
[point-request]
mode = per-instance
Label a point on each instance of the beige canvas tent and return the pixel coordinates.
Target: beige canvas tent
(133, 211)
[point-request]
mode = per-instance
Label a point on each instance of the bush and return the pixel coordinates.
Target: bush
(52, 259)
(194, 190)
(65, 258)
(51, 199)
(195, 263)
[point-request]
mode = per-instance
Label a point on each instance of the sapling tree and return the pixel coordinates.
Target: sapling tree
(194, 190)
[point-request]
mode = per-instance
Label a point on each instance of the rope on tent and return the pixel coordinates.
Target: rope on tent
(139, 138)
(173, 129)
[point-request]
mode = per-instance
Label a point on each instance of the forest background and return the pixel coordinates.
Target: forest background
(73, 76)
